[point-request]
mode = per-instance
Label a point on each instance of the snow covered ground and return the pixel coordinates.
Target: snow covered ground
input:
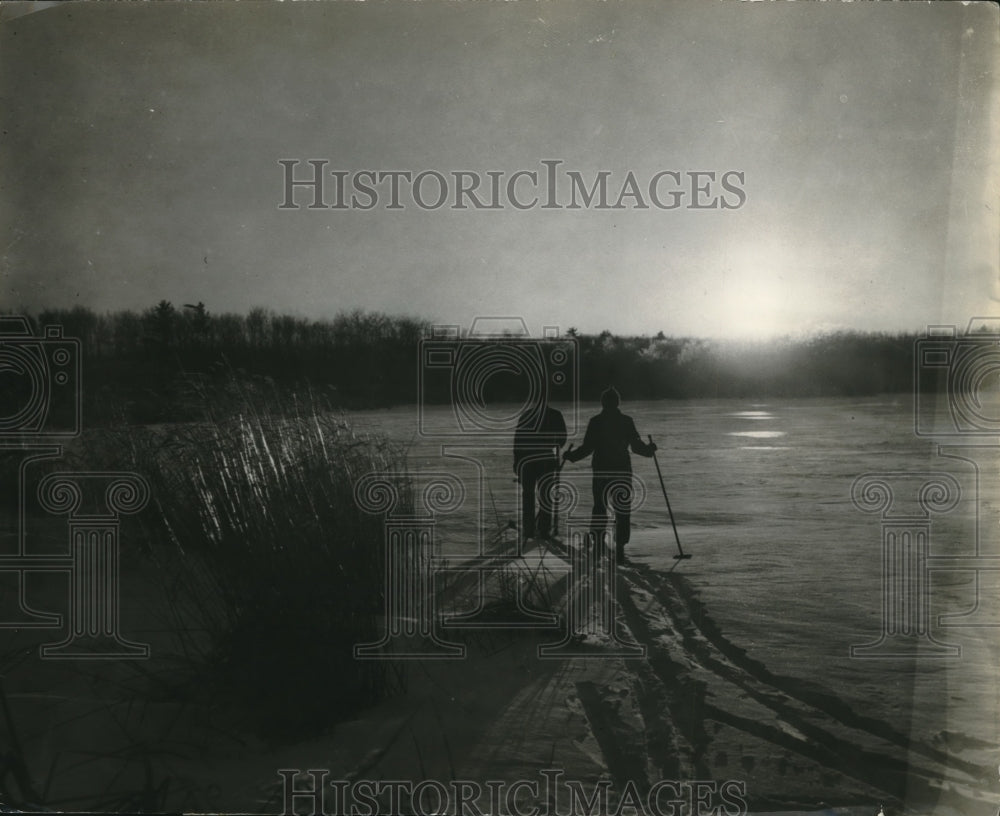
(756, 667)
(742, 680)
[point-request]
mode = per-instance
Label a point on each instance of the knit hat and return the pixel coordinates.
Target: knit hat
(610, 398)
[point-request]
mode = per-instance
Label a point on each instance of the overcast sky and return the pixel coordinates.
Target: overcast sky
(141, 143)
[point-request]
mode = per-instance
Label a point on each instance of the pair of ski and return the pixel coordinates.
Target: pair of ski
(681, 555)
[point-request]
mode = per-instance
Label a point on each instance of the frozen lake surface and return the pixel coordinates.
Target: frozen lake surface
(785, 567)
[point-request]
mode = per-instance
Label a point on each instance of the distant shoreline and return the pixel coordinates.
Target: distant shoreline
(155, 365)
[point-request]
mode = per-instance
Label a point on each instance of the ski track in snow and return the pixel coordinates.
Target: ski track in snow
(693, 680)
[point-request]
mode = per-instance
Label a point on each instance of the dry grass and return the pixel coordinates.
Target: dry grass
(272, 571)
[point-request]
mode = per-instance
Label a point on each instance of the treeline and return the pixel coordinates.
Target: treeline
(831, 364)
(158, 365)
(144, 366)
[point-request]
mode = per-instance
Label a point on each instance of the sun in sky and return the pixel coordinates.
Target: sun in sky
(759, 287)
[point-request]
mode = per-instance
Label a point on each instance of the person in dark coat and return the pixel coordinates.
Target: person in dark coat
(540, 435)
(609, 436)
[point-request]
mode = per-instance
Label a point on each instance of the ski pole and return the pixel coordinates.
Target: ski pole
(680, 551)
(555, 491)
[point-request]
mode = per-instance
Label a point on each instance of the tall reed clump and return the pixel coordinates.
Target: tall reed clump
(272, 570)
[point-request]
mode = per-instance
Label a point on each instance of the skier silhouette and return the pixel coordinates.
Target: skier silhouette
(540, 434)
(609, 436)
